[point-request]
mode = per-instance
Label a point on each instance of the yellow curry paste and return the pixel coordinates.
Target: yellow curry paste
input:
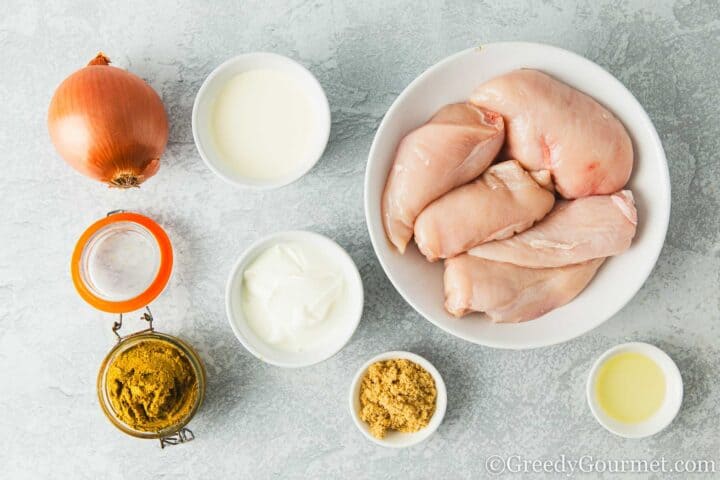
(152, 386)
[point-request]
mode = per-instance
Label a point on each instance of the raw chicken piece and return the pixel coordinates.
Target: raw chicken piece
(544, 179)
(503, 201)
(509, 293)
(454, 147)
(555, 127)
(575, 231)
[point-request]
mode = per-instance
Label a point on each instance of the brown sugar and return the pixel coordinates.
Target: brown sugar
(397, 395)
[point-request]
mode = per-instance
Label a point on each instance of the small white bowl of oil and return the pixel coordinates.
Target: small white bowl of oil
(634, 390)
(261, 120)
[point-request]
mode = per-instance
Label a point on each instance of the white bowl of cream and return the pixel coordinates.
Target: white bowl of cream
(294, 298)
(260, 120)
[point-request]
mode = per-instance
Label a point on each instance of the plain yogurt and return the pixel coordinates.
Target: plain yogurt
(294, 297)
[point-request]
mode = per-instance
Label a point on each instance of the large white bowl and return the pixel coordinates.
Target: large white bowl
(453, 80)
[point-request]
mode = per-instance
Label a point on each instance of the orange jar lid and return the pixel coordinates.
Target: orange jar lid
(122, 262)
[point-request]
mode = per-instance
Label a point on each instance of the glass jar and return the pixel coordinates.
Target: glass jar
(169, 431)
(120, 264)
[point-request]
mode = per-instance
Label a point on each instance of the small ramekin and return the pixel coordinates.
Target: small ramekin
(673, 393)
(266, 352)
(395, 439)
(211, 88)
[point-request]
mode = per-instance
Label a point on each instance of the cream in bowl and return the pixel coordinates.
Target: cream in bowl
(294, 298)
(261, 120)
(397, 399)
(634, 390)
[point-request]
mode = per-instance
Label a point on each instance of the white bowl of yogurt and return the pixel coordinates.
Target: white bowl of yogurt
(261, 120)
(294, 298)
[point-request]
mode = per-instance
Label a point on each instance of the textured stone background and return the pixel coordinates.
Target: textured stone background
(264, 422)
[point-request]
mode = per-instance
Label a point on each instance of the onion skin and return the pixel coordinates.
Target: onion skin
(108, 124)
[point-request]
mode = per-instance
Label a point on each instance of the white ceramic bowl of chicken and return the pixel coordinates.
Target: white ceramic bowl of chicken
(619, 278)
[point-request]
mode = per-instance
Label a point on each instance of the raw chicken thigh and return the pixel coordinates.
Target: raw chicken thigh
(509, 293)
(555, 127)
(503, 201)
(574, 231)
(454, 147)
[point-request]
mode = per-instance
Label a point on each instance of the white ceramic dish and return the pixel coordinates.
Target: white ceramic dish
(453, 80)
(210, 89)
(673, 393)
(395, 439)
(266, 352)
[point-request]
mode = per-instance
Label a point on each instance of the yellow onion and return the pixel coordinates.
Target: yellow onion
(108, 124)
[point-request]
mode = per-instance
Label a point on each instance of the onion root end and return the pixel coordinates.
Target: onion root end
(126, 180)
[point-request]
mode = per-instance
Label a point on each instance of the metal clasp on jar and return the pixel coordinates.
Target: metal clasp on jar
(147, 316)
(181, 436)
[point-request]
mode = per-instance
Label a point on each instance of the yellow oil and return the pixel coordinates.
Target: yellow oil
(630, 387)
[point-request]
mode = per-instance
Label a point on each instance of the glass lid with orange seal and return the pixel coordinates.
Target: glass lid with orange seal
(122, 262)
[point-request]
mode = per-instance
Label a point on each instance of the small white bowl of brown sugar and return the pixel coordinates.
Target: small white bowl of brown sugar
(397, 399)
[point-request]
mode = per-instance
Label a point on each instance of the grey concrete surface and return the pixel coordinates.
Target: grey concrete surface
(265, 422)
